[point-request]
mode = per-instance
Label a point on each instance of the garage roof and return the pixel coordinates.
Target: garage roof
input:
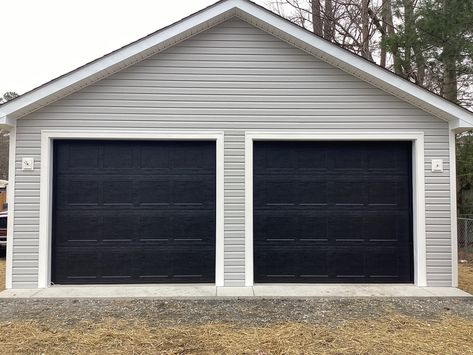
(458, 117)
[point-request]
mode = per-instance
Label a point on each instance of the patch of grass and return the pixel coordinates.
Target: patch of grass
(2, 273)
(392, 334)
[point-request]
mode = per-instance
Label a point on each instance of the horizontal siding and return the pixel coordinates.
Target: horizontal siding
(232, 77)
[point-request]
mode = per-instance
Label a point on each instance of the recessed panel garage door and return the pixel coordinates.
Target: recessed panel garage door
(133, 212)
(332, 212)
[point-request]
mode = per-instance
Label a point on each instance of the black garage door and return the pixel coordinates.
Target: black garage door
(333, 212)
(133, 212)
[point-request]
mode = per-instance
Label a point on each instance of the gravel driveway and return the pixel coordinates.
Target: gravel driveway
(236, 311)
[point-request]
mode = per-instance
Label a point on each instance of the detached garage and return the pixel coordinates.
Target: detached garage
(232, 148)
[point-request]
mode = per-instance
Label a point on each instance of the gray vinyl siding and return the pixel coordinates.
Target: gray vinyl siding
(234, 78)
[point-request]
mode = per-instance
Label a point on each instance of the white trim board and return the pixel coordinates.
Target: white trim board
(418, 181)
(47, 137)
(11, 208)
(258, 16)
(453, 207)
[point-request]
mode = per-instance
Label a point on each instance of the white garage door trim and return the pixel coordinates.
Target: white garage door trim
(418, 182)
(47, 137)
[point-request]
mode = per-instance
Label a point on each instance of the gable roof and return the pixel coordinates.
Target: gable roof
(458, 117)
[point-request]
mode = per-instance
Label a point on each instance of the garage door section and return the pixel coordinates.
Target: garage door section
(133, 212)
(333, 212)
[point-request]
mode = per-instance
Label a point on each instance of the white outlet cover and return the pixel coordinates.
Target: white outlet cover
(27, 164)
(437, 165)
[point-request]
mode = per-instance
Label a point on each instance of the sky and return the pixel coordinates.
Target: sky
(43, 39)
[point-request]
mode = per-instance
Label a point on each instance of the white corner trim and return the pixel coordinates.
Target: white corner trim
(418, 193)
(220, 206)
(47, 137)
(11, 209)
(249, 252)
(453, 207)
(418, 181)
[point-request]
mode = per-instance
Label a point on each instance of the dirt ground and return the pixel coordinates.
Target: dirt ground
(232, 326)
(465, 277)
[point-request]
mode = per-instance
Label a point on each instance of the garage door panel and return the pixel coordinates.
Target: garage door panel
(150, 219)
(189, 158)
(82, 265)
(117, 228)
(275, 265)
(76, 228)
(313, 227)
(387, 227)
(347, 158)
(344, 218)
(80, 192)
(347, 193)
(324, 264)
(117, 192)
(187, 268)
(155, 266)
(312, 193)
(384, 265)
(84, 155)
(117, 156)
(195, 228)
(346, 228)
(193, 192)
(348, 264)
(117, 264)
(154, 227)
(154, 192)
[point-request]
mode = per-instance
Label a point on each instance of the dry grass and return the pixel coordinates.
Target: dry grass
(465, 277)
(389, 335)
(2, 273)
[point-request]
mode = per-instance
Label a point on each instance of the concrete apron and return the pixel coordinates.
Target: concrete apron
(210, 291)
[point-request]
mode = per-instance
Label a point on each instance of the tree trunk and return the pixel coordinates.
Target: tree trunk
(365, 40)
(420, 64)
(450, 85)
(385, 11)
(449, 59)
(329, 26)
(316, 17)
(390, 32)
(410, 33)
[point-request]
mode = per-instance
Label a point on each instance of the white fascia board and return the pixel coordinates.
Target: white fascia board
(120, 57)
(353, 63)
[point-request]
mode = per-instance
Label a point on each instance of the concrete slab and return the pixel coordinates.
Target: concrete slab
(19, 293)
(161, 291)
(447, 292)
(352, 290)
(235, 292)
(210, 291)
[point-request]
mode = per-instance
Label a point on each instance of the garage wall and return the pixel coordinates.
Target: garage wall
(233, 77)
